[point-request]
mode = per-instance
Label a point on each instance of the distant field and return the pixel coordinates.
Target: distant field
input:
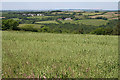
(16, 19)
(90, 13)
(96, 22)
(62, 13)
(28, 54)
(35, 25)
(30, 27)
(48, 22)
(40, 17)
(109, 15)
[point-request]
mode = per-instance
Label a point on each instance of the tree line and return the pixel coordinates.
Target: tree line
(111, 28)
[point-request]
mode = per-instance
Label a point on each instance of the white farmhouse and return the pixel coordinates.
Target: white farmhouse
(67, 19)
(40, 15)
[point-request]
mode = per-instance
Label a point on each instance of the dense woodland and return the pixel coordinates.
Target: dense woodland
(13, 19)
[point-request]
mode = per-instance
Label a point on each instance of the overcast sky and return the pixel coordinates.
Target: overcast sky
(113, 6)
(59, 0)
(59, 5)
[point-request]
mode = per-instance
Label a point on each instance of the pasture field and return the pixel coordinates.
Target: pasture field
(30, 27)
(16, 19)
(35, 25)
(30, 54)
(95, 22)
(109, 15)
(92, 13)
(62, 13)
(40, 17)
(48, 22)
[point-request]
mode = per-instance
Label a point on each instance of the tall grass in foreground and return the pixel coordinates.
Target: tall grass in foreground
(29, 54)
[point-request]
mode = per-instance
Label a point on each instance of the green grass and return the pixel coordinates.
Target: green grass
(59, 55)
(16, 19)
(34, 25)
(40, 17)
(95, 22)
(30, 27)
(90, 13)
(48, 22)
(68, 21)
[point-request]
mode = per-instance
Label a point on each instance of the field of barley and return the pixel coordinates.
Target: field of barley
(47, 55)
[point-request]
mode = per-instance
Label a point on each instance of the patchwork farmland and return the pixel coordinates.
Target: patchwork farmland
(60, 44)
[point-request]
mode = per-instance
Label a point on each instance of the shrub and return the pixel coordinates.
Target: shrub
(108, 31)
(104, 18)
(116, 29)
(9, 24)
(29, 28)
(99, 31)
(45, 29)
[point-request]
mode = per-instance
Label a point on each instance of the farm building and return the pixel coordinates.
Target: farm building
(33, 14)
(2, 17)
(67, 19)
(60, 19)
(40, 14)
